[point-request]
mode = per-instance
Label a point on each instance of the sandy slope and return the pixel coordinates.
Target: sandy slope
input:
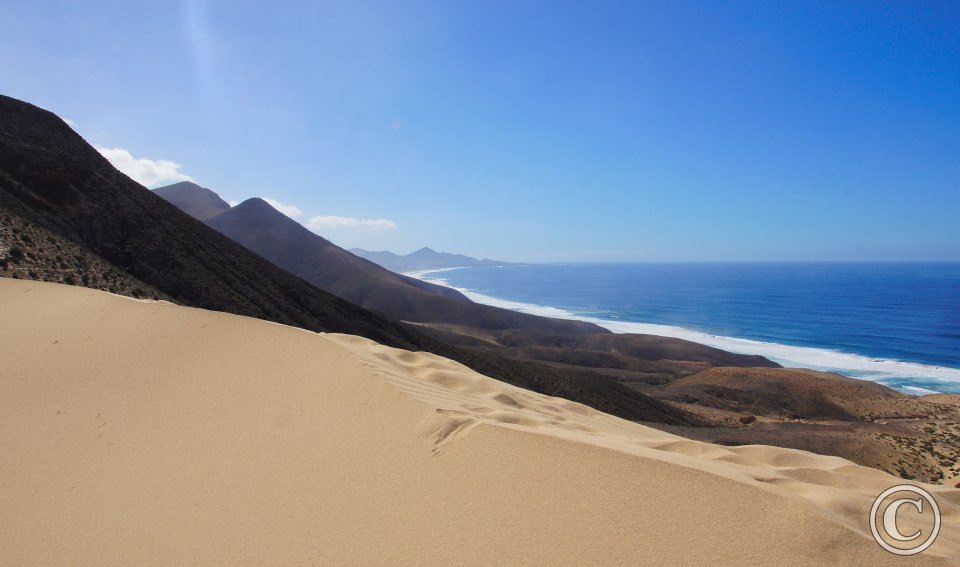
(145, 433)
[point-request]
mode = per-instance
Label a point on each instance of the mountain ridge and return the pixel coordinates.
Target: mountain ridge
(425, 258)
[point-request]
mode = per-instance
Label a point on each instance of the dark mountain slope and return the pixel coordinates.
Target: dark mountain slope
(29, 251)
(50, 177)
(283, 241)
(198, 202)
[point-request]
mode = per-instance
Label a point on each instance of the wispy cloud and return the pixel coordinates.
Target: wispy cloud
(69, 122)
(334, 223)
(289, 210)
(147, 172)
(199, 41)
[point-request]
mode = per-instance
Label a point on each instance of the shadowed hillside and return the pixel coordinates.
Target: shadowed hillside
(29, 251)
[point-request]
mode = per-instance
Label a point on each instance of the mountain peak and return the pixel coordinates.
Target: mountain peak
(199, 202)
(184, 185)
(257, 216)
(262, 211)
(254, 203)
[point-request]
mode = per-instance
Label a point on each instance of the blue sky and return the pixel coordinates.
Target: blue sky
(539, 131)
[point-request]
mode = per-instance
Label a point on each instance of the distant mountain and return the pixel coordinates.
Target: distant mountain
(198, 202)
(423, 259)
(286, 243)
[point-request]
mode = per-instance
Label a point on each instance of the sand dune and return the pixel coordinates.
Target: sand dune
(136, 433)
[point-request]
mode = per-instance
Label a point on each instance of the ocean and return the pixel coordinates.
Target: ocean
(897, 324)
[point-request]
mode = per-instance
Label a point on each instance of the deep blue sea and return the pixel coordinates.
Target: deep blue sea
(898, 324)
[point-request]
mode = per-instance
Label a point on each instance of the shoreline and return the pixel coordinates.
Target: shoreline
(929, 379)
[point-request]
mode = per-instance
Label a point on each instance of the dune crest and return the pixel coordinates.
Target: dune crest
(144, 432)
